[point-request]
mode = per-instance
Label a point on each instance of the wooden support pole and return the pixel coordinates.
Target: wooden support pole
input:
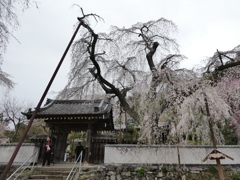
(220, 171)
(7, 168)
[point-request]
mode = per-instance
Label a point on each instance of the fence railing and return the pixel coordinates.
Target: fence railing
(76, 167)
(28, 164)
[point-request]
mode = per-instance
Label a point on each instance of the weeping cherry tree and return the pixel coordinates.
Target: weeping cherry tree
(124, 63)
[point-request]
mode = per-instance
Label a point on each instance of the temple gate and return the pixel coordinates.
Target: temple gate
(92, 116)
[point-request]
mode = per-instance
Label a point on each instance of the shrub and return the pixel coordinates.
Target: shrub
(141, 172)
(235, 176)
(164, 170)
(213, 169)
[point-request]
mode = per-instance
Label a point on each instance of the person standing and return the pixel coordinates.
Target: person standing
(79, 148)
(48, 149)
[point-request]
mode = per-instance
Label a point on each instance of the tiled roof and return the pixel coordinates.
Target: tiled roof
(74, 107)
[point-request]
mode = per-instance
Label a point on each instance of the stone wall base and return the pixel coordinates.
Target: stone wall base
(157, 172)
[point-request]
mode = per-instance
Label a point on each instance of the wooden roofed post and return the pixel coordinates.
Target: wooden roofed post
(220, 170)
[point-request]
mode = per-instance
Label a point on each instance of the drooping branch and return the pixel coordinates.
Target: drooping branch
(108, 87)
(5, 81)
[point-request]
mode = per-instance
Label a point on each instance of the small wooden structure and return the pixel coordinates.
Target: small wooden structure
(215, 154)
(64, 116)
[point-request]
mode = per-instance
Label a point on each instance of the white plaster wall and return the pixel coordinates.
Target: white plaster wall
(163, 154)
(26, 150)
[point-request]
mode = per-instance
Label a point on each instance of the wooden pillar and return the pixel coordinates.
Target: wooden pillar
(60, 146)
(220, 170)
(88, 144)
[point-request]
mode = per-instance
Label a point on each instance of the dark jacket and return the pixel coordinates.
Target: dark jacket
(78, 149)
(50, 146)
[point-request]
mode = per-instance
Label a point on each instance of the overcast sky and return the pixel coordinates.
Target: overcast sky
(204, 26)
